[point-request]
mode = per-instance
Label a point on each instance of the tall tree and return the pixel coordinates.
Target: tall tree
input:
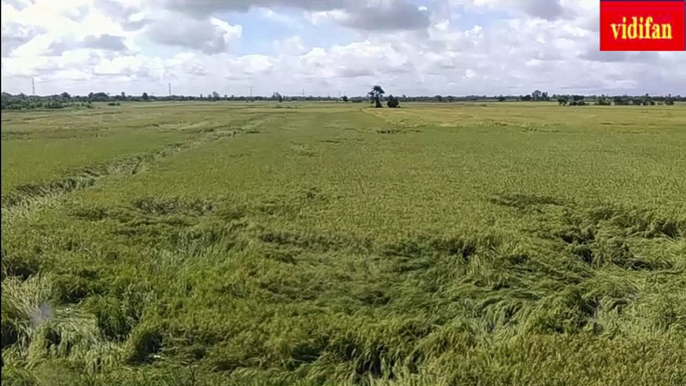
(375, 95)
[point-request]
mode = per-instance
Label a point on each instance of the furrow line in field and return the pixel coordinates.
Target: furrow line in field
(24, 198)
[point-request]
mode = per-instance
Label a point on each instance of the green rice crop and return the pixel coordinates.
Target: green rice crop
(334, 244)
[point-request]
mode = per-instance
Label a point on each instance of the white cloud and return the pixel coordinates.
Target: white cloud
(101, 42)
(378, 15)
(210, 35)
(15, 35)
(135, 46)
(290, 46)
(286, 20)
(361, 14)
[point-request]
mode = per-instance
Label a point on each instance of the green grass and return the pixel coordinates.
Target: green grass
(327, 244)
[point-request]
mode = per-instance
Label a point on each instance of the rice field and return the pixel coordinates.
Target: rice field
(336, 244)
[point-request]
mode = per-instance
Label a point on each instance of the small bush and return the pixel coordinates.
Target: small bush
(578, 103)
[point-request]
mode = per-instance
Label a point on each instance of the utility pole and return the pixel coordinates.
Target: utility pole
(33, 86)
(250, 92)
(169, 89)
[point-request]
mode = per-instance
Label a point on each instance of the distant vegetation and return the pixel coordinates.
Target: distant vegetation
(375, 96)
(23, 102)
(646, 100)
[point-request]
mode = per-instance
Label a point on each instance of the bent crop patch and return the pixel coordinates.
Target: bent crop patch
(629, 25)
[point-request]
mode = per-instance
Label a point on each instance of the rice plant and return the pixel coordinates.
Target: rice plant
(328, 244)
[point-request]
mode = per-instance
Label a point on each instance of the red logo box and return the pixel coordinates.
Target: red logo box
(642, 25)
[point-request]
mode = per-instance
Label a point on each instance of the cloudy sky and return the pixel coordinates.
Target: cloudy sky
(413, 47)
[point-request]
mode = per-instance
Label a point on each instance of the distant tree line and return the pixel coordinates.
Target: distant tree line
(59, 101)
(623, 100)
(25, 102)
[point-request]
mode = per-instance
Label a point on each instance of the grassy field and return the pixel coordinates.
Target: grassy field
(335, 244)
